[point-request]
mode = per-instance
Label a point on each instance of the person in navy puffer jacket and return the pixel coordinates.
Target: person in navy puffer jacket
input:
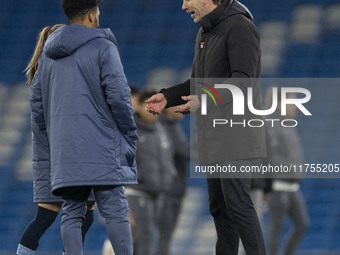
(80, 96)
(48, 205)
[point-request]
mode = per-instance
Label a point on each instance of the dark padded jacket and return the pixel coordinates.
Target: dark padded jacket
(227, 47)
(181, 148)
(155, 158)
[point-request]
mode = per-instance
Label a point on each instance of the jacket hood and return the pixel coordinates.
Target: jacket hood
(67, 39)
(225, 10)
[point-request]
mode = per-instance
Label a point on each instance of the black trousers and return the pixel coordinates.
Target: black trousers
(234, 214)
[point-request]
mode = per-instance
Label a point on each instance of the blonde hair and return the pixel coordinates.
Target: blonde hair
(33, 64)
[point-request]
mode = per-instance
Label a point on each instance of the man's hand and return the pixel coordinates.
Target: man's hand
(156, 103)
(190, 107)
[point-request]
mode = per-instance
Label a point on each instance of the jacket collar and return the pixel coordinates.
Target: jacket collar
(222, 12)
(213, 18)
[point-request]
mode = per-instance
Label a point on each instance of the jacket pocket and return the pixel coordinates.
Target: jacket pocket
(128, 152)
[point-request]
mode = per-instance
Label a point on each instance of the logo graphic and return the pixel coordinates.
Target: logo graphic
(240, 100)
(204, 97)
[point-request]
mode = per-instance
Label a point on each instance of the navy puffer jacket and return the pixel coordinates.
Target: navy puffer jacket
(81, 98)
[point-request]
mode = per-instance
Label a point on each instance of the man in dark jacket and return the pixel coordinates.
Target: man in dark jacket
(227, 46)
(156, 172)
(80, 96)
(173, 199)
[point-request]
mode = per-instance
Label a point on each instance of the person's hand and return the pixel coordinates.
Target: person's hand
(156, 103)
(190, 107)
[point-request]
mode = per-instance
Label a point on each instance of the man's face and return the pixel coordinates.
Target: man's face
(197, 8)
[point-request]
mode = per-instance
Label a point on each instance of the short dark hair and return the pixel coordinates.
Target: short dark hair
(78, 8)
(134, 89)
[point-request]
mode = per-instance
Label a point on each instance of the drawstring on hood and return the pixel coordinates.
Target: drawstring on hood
(67, 39)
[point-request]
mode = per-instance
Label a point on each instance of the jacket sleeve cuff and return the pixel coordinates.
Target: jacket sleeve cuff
(173, 94)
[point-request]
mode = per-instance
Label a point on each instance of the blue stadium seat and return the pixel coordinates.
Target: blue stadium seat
(155, 33)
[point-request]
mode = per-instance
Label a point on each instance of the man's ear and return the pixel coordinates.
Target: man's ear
(90, 16)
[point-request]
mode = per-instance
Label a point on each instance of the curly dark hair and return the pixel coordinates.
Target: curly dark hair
(78, 8)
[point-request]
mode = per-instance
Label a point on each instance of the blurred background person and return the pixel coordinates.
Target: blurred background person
(286, 199)
(156, 172)
(173, 198)
(48, 204)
